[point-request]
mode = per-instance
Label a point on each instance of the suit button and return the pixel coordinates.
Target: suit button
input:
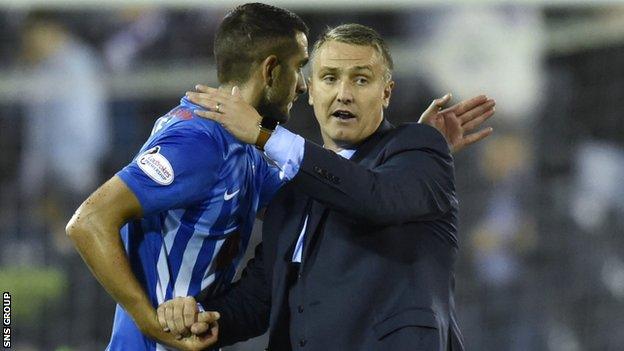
(300, 309)
(302, 342)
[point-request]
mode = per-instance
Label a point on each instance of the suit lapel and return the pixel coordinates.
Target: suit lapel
(316, 216)
(287, 235)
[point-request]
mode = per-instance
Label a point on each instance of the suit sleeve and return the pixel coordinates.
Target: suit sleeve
(415, 180)
(245, 307)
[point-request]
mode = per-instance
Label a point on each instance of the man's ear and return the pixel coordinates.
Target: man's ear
(269, 69)
(310, 100)
(387, 92)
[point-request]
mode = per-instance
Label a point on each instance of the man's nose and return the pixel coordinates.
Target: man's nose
(302, 87)
(345, 95)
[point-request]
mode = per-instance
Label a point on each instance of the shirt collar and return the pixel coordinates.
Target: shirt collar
(184, 101)
(346, 153)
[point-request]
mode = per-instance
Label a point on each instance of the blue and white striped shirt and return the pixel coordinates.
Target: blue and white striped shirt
(199, 189)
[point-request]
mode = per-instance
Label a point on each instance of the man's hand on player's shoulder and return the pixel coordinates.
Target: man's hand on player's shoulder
(228, 109)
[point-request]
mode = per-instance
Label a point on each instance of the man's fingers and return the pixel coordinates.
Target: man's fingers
(205, 322)
(211, 337)
(214, 92)
(208, 90)
(169, 318)
(236, 91)
(200, 328)
(209, 102)
(442, 101)
(178, 317)
(160, 312)
(466, 105)
(190, 311)
(477, 121)
(208, 317)
(476, 136)
(438, 103)
(477, 111)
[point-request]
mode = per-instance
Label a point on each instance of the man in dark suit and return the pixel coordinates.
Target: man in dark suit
(359, 247)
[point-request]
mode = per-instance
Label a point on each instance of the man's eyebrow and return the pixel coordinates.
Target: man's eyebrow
(362, 68)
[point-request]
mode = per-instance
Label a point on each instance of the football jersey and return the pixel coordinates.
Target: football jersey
(200, 189)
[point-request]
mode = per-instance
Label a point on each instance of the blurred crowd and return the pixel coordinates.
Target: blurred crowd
(542, 200)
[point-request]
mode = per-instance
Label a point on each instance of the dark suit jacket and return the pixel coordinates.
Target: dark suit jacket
(377, 271)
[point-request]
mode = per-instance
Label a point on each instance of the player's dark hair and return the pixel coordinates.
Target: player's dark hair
(249, 34)
(357, 34)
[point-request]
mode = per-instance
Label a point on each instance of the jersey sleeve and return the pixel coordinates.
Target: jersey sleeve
(271, 181)
(177, 170)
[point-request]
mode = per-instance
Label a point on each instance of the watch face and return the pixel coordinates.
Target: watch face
(268, 123)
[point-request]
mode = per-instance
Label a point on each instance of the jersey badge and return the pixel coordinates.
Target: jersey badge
(156, 166)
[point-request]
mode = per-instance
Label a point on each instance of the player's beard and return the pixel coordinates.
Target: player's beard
(273, 105)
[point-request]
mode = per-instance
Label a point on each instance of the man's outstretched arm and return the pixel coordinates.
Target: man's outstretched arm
(454, 122)
(94, 230)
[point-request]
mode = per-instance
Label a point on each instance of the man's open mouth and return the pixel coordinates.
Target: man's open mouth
(343, 114)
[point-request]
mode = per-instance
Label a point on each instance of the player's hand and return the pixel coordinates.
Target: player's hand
(233, 113)
(150, 326)
(454, 122)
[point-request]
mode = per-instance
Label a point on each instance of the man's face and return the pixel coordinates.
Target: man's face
(288, 83)
(349, 90)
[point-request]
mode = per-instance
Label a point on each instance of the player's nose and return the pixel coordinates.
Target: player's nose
(302, 86)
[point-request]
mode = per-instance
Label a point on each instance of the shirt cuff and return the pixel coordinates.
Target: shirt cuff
(285, 149)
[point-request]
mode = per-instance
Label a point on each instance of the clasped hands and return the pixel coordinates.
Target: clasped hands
(187, 328)
(240, 119)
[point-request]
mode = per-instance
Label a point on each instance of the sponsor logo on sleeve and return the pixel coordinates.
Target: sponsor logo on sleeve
(156, 166)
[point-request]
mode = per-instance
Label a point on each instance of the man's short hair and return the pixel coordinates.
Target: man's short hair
(250, 33)
(357, 34)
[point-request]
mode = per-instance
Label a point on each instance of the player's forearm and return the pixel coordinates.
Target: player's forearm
(102, 250)
(94, 229)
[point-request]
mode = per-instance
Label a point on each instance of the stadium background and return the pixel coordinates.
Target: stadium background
(542, 201)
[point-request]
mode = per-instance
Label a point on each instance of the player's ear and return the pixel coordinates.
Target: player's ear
(269, 69)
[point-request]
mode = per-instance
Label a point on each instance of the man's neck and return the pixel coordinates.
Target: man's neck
(247, 91)
(331, 145)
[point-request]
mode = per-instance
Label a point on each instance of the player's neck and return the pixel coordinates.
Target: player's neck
(247, 93)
